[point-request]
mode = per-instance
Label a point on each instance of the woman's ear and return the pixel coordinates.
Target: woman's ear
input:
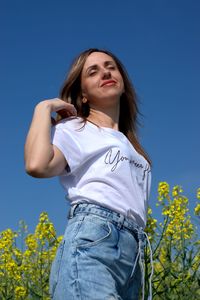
(84, 94)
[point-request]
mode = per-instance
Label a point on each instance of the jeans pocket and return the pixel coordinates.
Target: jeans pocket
(55, 268)
(93, 231)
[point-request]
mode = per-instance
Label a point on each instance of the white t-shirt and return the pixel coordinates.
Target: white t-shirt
(104, 168)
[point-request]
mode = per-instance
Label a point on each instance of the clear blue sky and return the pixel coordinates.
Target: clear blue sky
(158, 42)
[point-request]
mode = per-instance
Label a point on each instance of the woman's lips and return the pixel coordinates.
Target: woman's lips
(108, 82)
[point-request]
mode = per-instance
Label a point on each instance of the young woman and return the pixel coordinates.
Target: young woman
(105, 173)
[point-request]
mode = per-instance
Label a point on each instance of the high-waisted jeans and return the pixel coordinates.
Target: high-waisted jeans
(98, 258)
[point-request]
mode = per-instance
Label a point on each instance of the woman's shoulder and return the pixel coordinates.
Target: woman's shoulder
(70, 123)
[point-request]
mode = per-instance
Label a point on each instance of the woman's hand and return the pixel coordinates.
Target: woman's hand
(59, 106)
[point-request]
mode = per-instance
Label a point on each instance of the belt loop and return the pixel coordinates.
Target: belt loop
(120, 222)
(71, 211)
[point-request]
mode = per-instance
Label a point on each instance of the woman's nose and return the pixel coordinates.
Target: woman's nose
(106, 74)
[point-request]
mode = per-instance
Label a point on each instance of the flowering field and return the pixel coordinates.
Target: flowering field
(175, 246)
(25, 259)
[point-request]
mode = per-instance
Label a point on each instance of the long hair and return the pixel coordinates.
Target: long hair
(128, 118)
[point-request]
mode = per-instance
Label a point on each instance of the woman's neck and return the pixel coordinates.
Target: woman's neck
(104, 118)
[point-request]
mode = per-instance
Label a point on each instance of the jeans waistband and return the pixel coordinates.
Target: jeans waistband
(116, 218)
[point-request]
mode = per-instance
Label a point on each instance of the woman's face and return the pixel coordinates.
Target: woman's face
(101, 81)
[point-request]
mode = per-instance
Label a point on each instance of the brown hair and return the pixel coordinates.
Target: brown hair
(128, 118)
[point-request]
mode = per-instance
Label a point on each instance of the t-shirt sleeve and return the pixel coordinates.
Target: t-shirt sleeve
(65, 140)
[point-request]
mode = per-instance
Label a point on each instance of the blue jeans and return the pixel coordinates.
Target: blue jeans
(98, 258)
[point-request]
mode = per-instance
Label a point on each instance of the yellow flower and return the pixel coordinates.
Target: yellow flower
(176, 190)
(179, 225)
(163, 191)
(197, 210)
(17, 253)
(151, 225)
(31, 242)
(7, 238)
(45, 230)
(198, 193)
(163, 255)
(166, 211)
(158, 267)
(20, 292)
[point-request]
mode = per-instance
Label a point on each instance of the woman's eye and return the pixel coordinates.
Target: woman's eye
(111, 67)
(92, 73)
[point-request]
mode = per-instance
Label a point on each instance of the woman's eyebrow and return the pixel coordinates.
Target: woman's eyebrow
(109, 62)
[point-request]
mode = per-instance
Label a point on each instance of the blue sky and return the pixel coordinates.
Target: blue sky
(159, 44)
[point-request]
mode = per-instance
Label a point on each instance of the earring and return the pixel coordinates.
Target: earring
(84, 100)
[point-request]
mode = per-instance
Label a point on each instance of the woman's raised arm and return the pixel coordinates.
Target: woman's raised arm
(42, 159)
